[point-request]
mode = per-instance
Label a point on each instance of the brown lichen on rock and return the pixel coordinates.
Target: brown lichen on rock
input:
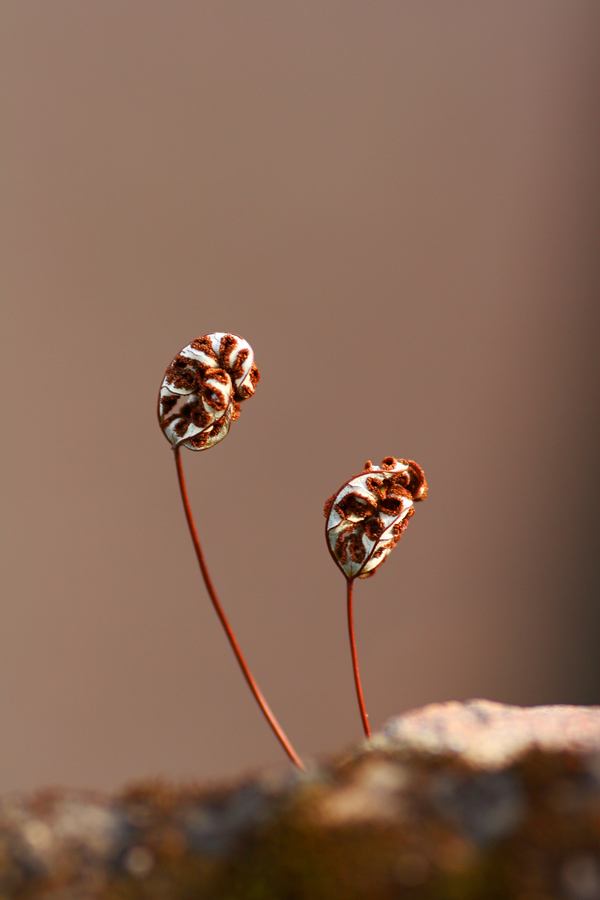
(457, 801)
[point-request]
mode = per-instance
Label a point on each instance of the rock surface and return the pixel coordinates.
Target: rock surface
(457, 801)
(492, 735)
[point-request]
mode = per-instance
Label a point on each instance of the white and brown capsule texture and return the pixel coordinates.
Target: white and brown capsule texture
(202, 389)
(366, 517)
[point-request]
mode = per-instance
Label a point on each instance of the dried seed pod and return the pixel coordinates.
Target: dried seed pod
(202, 389)
(366, 517)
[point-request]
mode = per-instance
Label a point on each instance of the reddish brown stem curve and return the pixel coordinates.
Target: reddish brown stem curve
(265, 708)
(359, 693)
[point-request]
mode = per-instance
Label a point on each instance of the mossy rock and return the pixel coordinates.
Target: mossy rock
(458, 801)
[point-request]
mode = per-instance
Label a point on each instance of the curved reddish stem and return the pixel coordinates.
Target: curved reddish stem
(359, 693)
(266, 710)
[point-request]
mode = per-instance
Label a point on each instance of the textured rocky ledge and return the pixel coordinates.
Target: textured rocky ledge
(457, 800)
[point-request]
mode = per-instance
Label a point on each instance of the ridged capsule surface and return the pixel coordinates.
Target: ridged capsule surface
(203, 387)
(365, 519)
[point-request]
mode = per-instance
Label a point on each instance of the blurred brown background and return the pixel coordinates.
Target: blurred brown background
(396, 203)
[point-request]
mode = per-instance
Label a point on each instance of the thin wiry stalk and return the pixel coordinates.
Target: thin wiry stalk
(266, 710)
(359, 693)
